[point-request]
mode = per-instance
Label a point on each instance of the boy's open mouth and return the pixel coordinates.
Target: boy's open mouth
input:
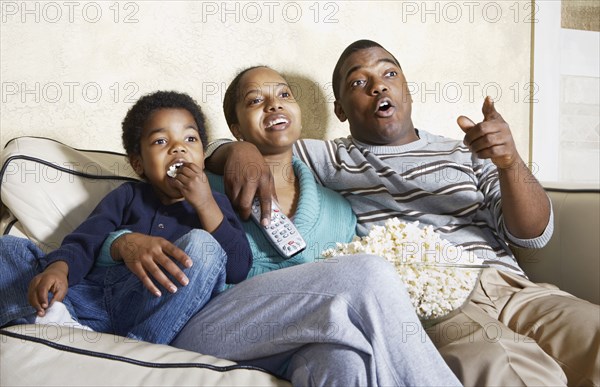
(172, 171)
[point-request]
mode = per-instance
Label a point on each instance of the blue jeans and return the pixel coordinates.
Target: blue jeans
(112, 299)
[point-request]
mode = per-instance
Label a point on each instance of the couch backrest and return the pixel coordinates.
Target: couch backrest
(48, 188)
(571, 260)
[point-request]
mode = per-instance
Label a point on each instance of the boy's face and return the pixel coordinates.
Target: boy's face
(268, 115)
(169, 136)
(374, 98)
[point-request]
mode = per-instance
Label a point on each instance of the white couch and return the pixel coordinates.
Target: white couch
(48, 188)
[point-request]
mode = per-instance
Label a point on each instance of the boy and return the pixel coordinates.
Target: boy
(162, 133)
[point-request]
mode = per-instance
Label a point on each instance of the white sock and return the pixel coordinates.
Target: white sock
(58, 314)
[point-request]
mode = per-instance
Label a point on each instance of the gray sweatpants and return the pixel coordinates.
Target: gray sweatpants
(341, 322)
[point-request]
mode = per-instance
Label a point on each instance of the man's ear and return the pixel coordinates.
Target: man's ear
(339, 111)
(136, 163)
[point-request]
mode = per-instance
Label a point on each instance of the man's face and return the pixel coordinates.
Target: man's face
(374, 98)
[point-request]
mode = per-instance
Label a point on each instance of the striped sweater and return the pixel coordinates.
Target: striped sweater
(434, 180)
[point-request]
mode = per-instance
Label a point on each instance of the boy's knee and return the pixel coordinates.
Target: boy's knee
(16, 249)
(13, 242)
(201, 247)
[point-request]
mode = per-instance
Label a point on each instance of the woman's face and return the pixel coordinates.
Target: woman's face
(268, 115)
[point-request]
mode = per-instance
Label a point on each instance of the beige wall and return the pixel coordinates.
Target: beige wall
(70, 70)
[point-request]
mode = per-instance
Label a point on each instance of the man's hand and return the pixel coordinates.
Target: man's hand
(54, 280)
(146, 256)
(246, 175)
(525, 205)
(491, 138)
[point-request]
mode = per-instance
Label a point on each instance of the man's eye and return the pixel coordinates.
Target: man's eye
(285, 94)
(358, 82)
(392, 73)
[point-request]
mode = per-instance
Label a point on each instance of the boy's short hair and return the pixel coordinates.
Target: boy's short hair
(139, 113)
(351, 49)
(232, 96)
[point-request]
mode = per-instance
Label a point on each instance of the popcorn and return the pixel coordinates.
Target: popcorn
(172, 171)
(438, 275)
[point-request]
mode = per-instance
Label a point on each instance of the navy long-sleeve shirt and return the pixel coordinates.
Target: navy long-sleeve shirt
(136, 207)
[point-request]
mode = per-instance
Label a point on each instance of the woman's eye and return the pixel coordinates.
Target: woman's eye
(255, 101)
(285, 94)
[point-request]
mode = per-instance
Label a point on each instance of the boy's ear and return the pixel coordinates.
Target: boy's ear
(339, 111)
(235, 130)
(136, 163)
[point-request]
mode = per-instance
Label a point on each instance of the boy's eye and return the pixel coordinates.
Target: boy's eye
(191, 139)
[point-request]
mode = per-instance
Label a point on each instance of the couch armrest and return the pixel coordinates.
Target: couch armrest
(571, 260)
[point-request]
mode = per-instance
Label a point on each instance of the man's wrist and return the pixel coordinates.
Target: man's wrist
(214, 145)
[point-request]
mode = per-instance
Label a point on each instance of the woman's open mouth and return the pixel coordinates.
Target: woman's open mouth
(278, 122)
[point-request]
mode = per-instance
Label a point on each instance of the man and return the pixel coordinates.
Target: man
(479, 194)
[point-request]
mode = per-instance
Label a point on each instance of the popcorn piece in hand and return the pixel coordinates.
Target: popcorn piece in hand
(172, 172)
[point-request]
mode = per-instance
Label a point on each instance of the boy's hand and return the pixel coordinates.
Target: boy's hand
(146, 256)
(193, 184)
(53, 279)
(491, 138)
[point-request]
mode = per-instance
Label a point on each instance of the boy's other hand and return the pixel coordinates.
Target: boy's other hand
(193, 184)
(148, 257)
(53, 279)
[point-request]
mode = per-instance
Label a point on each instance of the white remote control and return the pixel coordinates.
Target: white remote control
(282, 233)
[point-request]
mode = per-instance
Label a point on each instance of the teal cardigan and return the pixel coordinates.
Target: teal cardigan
(323, 217)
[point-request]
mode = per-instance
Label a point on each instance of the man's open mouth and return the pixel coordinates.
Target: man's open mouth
(384, 106)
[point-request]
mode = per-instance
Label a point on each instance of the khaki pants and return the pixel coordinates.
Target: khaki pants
(515, 332)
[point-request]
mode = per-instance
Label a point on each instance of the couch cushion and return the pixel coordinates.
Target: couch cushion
(49, 355)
